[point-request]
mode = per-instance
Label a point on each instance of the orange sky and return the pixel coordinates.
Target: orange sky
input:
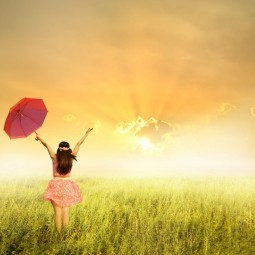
(188, 66)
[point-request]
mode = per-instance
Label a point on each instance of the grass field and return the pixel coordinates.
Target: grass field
(133, 216)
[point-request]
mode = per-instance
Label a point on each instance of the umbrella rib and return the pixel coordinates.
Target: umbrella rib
(32, 119)
(23, 106)
(21, 125)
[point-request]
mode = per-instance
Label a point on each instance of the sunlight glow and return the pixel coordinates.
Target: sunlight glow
(145, 144)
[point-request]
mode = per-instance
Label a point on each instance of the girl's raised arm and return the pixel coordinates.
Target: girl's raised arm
(51, 152)
(77, 146)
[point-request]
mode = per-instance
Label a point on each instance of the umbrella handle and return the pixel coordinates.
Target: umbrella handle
(36, 138)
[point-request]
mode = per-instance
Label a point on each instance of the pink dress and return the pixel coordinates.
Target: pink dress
(63, 192)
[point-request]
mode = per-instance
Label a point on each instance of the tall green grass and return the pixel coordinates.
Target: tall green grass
(133, 216)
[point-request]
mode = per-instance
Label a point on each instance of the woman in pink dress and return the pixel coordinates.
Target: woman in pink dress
(61, 191)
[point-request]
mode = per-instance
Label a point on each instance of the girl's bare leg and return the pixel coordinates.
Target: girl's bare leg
(65, 216)
(57, 216)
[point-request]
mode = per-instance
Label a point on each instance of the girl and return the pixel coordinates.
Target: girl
(61, 191)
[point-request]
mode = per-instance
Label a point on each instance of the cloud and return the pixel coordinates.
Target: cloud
(152, 134)
(225, 108)
(96, 126)
(125, 127)
(252, 111)
(71, 118)
(156, 130)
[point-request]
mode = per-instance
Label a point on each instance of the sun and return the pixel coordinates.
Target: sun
(145, 143)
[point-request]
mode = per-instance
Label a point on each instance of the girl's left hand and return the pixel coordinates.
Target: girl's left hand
(88, 130)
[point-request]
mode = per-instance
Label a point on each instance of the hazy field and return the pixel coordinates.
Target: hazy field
(133, 216)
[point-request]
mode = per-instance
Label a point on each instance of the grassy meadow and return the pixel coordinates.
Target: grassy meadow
(176, 216)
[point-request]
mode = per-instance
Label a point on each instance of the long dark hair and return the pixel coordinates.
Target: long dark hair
(65, 158)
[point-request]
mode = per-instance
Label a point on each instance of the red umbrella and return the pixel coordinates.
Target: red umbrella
(25, 117)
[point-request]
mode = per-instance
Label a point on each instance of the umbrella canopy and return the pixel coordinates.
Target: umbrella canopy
(25, 117)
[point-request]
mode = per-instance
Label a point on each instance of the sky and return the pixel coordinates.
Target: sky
(168, 86)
